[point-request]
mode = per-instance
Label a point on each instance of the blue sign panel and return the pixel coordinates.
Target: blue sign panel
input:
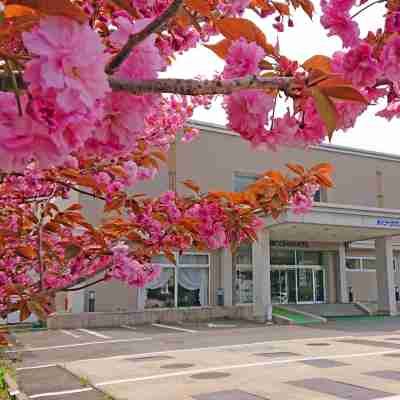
(392, 223)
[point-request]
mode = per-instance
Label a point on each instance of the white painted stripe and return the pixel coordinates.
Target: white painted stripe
(174, 328)
(69, 333)
(132, 328)
(37, 396)
(66, 346)
(37, 367)
(240, 366)
(397, 397)
(223, 347)
(100, 335)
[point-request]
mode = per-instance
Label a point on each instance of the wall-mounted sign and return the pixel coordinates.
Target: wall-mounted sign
(286, 243)
(393, 223)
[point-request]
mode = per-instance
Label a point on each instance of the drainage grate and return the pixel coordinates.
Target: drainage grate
(318, 344)
(395, 355)
(149, 358)
(391, 375)
(324, 363)
(394, 339)
(278, 354)
(340, 389)
(228, 395)
(177, 366)
(210, 375)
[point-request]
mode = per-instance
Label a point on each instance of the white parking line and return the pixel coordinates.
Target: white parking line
(132, 328)
(37, 367)
(37, 396)
(66, 346)
(174, 328)
(69, 333)
(210, 348)
(240, 366)
(93, 333)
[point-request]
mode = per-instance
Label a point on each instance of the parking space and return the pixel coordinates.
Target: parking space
(220, 360)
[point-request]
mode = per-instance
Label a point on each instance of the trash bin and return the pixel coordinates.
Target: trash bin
(220, 297)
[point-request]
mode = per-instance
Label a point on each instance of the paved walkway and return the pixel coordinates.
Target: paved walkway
(345, 360)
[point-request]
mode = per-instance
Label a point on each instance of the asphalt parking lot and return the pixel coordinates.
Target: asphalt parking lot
(220, 360)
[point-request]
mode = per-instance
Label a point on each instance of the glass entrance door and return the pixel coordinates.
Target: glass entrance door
(297, 285)
(305, 285)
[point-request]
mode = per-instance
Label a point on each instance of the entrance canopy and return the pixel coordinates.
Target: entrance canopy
(327, 222)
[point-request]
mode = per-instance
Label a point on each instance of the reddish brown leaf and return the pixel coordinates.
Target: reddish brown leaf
(63, 8)
(118, 171)
(160, 155)
(344, 93)
(24, 311)
(221, 48)
(127, 6)
(282, 8)
(170, 256)
(71, 251)
(319, 62)
(27, 252)
(326, 109)
(324, 180)
(191, 185)
(308, 7)
(200, 6)
(12, 11)
(296, 168)
(75, 207)
(235, 28)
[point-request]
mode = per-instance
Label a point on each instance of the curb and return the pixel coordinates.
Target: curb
(306, 314)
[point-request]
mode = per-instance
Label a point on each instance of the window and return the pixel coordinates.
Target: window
(241, 182)
(396, 262)
(183, 285)
(308, 257)
(317, 195)
(361, 263)
(244, 254)
(283, 257)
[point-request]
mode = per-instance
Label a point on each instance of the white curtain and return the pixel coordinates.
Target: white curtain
(157, 283)
(194, 279)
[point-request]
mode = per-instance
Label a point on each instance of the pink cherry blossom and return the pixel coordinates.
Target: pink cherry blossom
(243, 59)
(336, 19)
(360, 66)
(301, 203)
(391, 59)
(190, 134)
(58, 44)
(248, 113)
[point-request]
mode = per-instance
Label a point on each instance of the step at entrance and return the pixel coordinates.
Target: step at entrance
(331, 310)
(288, 315)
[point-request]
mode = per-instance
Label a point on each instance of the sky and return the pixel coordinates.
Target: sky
(305, 39)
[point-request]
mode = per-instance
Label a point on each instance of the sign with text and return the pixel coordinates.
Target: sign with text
(286, 243)
(392, 223)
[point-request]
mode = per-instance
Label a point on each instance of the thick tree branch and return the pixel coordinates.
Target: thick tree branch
(193, 87)
(137, 38)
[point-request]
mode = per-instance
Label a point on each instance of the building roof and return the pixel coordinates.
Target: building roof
(352, 151)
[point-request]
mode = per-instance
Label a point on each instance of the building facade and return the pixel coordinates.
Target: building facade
(346, 249)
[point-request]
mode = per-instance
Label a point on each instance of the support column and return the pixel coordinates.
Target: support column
(330, 265)
(227, 275)
(262, 278)
(385, 276)
(342, 295)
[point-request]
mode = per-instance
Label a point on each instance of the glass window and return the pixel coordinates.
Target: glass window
(244, 254)
(160, 259)
(240, 182)
(192, 287)
(282, 257)
(194, 259)
(369, 263)
(353, 263)
(160, 293)
(308, 257)
(317, 195)
(245, 284)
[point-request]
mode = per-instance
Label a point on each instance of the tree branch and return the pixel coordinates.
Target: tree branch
(85, 286)
(193, 87)
(137, 38)
(366, 7)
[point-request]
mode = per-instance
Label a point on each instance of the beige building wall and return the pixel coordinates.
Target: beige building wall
(217, 155)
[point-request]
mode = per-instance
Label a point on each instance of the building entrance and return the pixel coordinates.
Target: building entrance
(297, 285)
